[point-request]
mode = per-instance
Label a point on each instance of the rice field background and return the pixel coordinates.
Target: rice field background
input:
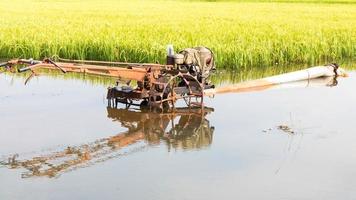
(243, 34)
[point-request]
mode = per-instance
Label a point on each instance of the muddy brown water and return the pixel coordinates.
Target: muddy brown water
(59, 140)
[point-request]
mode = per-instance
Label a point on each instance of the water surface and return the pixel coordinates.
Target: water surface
(59, 140)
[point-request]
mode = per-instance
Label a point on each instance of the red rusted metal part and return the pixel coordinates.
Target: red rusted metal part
(133, 73)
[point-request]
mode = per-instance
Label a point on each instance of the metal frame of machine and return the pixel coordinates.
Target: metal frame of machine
(157, 85)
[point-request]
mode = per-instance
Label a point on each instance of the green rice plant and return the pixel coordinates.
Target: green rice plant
(243, 34)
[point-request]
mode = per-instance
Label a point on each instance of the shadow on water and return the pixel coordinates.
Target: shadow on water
(185, 129)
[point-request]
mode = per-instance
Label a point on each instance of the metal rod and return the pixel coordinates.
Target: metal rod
(111, 63)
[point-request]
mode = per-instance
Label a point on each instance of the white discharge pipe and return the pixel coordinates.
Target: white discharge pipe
(272, 81)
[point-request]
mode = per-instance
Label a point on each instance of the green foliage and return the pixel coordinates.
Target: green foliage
(242, 34)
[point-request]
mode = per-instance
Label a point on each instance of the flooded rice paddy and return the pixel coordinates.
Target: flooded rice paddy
(59, 140)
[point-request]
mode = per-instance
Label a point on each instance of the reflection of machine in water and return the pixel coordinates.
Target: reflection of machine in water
(184, 129)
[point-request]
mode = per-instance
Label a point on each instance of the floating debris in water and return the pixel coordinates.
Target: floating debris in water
(267, 130)
(285, 129)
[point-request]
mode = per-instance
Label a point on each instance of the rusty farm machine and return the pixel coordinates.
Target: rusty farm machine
(184, 76)
(152, 85)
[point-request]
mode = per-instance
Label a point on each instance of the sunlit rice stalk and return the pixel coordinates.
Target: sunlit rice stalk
(242, 34)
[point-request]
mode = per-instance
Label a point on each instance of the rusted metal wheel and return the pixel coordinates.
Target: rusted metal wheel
(169, 94)
(195, 96)
(187, 87)
(168, 89)
(156, 94)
